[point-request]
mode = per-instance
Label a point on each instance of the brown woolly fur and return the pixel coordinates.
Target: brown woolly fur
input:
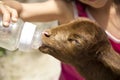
(83, 44)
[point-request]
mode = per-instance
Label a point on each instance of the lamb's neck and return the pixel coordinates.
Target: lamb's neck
(100, 67)
(95, 70)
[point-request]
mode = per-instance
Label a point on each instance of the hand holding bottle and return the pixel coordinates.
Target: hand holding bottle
(8, 13)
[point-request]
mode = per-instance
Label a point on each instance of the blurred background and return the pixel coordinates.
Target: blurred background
(28, 1)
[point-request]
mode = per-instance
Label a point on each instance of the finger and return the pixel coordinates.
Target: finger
(14, 13)
(6, 15)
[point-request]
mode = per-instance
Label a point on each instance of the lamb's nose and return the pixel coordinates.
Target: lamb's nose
(47, 33)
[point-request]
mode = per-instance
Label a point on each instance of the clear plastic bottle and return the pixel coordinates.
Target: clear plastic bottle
(20, 35)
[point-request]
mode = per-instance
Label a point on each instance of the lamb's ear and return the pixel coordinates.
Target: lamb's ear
(112, 60)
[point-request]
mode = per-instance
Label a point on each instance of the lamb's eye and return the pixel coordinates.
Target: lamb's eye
(73, 41)
(70, 40)
(73, 38)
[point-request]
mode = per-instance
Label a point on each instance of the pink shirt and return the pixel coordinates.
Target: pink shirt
(68, 71)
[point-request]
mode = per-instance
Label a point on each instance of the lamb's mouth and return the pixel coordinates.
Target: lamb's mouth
(45, 46)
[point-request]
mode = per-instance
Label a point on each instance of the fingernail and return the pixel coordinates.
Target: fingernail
(6, 24)
(14, 19)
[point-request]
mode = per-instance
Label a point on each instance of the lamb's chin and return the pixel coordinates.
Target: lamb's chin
(45, 49)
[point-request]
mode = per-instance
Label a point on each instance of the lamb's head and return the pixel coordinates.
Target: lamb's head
(75, 42)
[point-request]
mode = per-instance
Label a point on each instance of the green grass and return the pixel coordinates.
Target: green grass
(2, 52)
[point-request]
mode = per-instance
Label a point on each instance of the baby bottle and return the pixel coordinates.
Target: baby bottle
(21, 35)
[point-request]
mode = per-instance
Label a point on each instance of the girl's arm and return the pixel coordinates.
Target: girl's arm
(44, 11)
(47, 11)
